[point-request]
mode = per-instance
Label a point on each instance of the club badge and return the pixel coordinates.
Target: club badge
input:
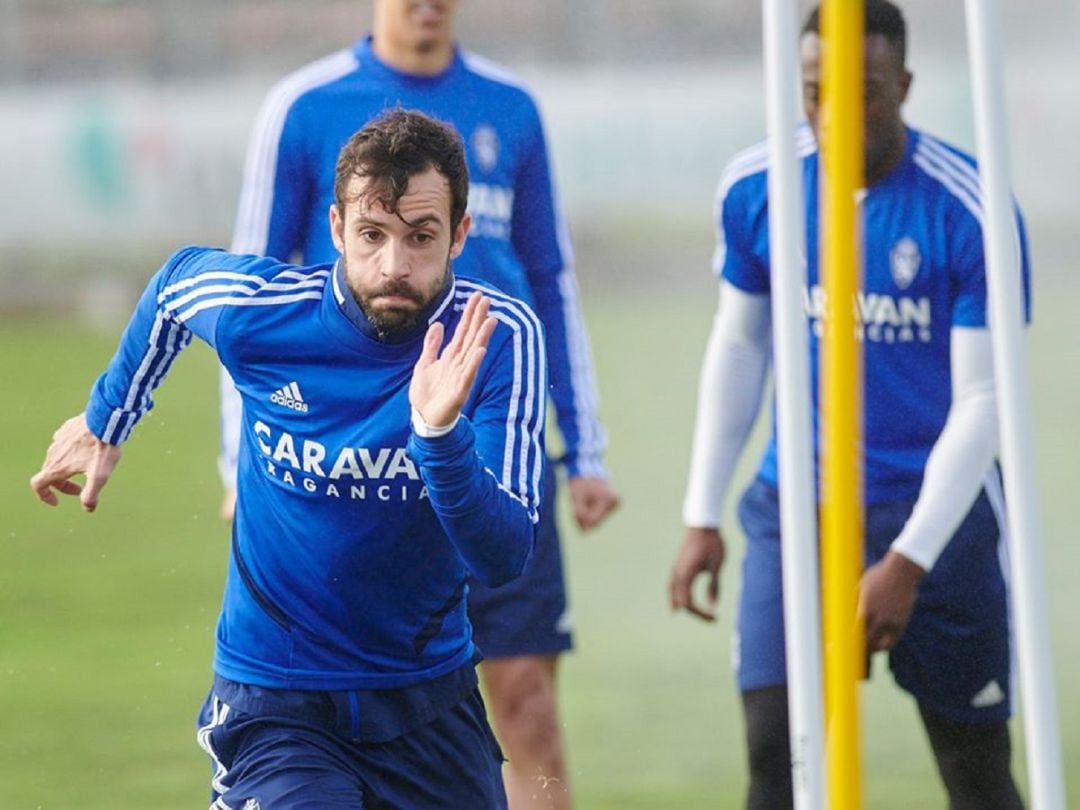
(905, 260)
(485, 147)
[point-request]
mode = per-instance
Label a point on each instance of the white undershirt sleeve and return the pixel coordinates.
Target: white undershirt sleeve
(232, 407)
(421, 427)
(962, 454)
(732, 383)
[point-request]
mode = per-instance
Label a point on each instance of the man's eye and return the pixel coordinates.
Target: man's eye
(370, 236)
(423, 238)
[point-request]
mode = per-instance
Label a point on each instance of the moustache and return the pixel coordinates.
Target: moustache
(399, 288)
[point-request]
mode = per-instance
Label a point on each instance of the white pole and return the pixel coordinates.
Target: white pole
(798, 523)
(1003, 279)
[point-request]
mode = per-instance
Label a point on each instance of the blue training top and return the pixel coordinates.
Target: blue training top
(519, 241)
(353, 536)
(923, 274)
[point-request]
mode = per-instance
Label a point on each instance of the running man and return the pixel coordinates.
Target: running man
(518, 243)
(391, 448)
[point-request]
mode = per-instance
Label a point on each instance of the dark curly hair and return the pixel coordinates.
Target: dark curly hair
(880, 17)
(393, 148)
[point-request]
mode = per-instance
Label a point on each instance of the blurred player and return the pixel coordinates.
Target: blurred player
(933, 592)
(344, 666)
(518, 243)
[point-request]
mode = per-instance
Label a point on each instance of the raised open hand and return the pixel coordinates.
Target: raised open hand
(441, 382)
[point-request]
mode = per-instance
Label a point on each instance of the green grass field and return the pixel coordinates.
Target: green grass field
(106, 621)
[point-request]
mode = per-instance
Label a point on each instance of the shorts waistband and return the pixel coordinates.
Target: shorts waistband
(362, 715)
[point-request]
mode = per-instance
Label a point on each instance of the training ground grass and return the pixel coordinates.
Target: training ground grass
(106, 621)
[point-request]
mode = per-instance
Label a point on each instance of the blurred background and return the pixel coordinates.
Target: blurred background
(124, 130)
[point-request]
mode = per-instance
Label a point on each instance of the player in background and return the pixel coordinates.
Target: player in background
(344, 665)
(933, 593)
(518, 243)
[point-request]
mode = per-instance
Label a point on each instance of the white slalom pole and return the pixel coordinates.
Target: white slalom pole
(798, 517)
(1003, 278)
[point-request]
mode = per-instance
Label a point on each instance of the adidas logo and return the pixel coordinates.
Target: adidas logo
(565, 624)
(290, 397)
(989, 695)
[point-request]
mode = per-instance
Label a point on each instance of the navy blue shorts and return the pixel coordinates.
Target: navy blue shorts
(528, 615)
(291, 750)
(954, 656)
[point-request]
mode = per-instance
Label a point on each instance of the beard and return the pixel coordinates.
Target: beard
(396, 322)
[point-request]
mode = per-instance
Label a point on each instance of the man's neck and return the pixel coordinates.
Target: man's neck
(349, 304)
(890, 160)
(416, 61)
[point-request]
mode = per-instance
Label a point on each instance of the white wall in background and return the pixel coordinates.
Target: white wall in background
(163, 161)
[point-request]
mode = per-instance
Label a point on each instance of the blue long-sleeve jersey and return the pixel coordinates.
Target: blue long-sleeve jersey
(353, 536)
(923, 274)
(519, 239)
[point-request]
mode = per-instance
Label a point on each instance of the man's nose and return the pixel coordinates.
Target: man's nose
(395, 260)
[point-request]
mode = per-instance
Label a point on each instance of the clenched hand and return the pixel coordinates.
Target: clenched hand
(592, 499)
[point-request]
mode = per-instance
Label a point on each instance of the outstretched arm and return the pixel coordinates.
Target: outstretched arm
(75, 451)
(732, 383)
(89, 444)
(184, 298)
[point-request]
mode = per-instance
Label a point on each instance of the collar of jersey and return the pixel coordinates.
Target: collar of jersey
(348, 323)
(378, 69)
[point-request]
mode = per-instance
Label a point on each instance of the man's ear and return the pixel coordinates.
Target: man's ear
(905, 85)
(460, 234)
(337, 228)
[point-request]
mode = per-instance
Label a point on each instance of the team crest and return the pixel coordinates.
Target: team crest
(905, 260)
(485, 147)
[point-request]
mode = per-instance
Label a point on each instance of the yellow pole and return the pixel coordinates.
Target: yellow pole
(841, 509)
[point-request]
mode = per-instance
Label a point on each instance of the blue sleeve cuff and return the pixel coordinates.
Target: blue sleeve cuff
(446, 447)
(584, 466)
(111, 425)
